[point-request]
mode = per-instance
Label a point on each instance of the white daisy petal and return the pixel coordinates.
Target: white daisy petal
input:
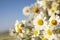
(26, 10)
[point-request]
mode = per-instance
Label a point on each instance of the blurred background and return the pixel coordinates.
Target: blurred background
(10, 11)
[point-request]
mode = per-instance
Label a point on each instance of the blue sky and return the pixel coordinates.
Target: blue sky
(10, 11)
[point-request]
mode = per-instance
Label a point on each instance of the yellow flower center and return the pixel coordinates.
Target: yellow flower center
(55, 5)
(36, 32)
(19, 30)
(27, 10)
(40, 22)
(53, 22)
(49, 32)
(44, 38)
(35, 10)
(52, 10)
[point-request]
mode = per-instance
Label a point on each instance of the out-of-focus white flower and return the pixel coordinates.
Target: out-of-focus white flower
(40, 3)
(28, 23)
(54, 21)
(26, 10)
(40, 26)
(17, 27)
(12, 32)
(35, 9)
(23, 21)
(52, 11)
(35, 32)
(57, 11)
(39, 22)
(59, 20)
(44, 38)
(54, 5)
(49, 38)
(32, 39)
(48, 33)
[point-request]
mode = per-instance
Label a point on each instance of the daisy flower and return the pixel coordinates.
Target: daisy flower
(26, 10)
(35, 9)
(57, 11)
(54, 21)
(39, 22)
(28, 23)
(48, 38)
(48, 34)
(54, 5)
(52, 11)
(40, 3)
(17, 27)
(44, 38)
(35, 32)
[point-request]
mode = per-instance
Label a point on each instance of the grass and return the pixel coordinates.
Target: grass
(6, 36)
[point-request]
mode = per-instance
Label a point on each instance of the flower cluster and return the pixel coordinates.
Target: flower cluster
(43, 22)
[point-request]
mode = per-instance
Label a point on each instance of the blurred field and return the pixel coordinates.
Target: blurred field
(6, 36)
